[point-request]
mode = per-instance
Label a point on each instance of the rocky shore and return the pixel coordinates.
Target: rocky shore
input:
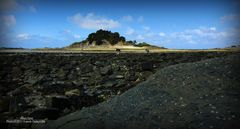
(199, 95)
(51, 85)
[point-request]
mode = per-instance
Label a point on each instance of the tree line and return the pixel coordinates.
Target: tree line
(112, 37)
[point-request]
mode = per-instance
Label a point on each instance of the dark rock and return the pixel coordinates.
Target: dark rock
(17, 70)
(72, 76)
(43, 71)
(56, 73)
(59, 102)
(35, 101)
(61, 74)
(106, 70)
(116, 76)
(67, 67)
(147, 66)
(74, 92)
(99, 63)
(25, 89)
(109, 84)
(121, 83)
(17, 104)
(132, 78)
(87, 68)
(34, 79)
(50, 113)
(4, 104)
(145, 75)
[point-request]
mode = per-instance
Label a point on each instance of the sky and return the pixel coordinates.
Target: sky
(178, 24)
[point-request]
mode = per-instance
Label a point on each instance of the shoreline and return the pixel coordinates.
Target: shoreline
(113, 51)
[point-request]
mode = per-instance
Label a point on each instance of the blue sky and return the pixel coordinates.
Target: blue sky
(190, 24)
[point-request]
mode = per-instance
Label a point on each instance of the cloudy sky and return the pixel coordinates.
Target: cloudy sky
(191, 24)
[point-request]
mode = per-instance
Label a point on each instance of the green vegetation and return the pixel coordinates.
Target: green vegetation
(143, 44)
(134, 42)
(78, 43)
(99, 36)
(102, 36)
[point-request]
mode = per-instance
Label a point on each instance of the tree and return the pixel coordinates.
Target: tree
(122, 39)
(101, 35)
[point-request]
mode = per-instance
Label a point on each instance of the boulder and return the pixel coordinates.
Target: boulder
(109, 84)
(116, 76)
(99, 63)
(61, 74)
(106, 70)
(121, 83)
(37, 101)
(34, 79)
(77, 83)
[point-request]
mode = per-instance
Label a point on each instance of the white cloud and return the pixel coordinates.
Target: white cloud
(140, 19)
(76, 36)
(23, 36)
(130, 31)
(231, 17)
(140, 37)
(233, 33)
(150, 34)
(68, 35)
(8, 20)
(162, 34)
(186, 37)
(127, 18)
(92, 21)
(146, 28)
(204, 35)
(27, 40)
(197, 37)
(213, 28)
(32, 9)
(66, 31)
(206, 32)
